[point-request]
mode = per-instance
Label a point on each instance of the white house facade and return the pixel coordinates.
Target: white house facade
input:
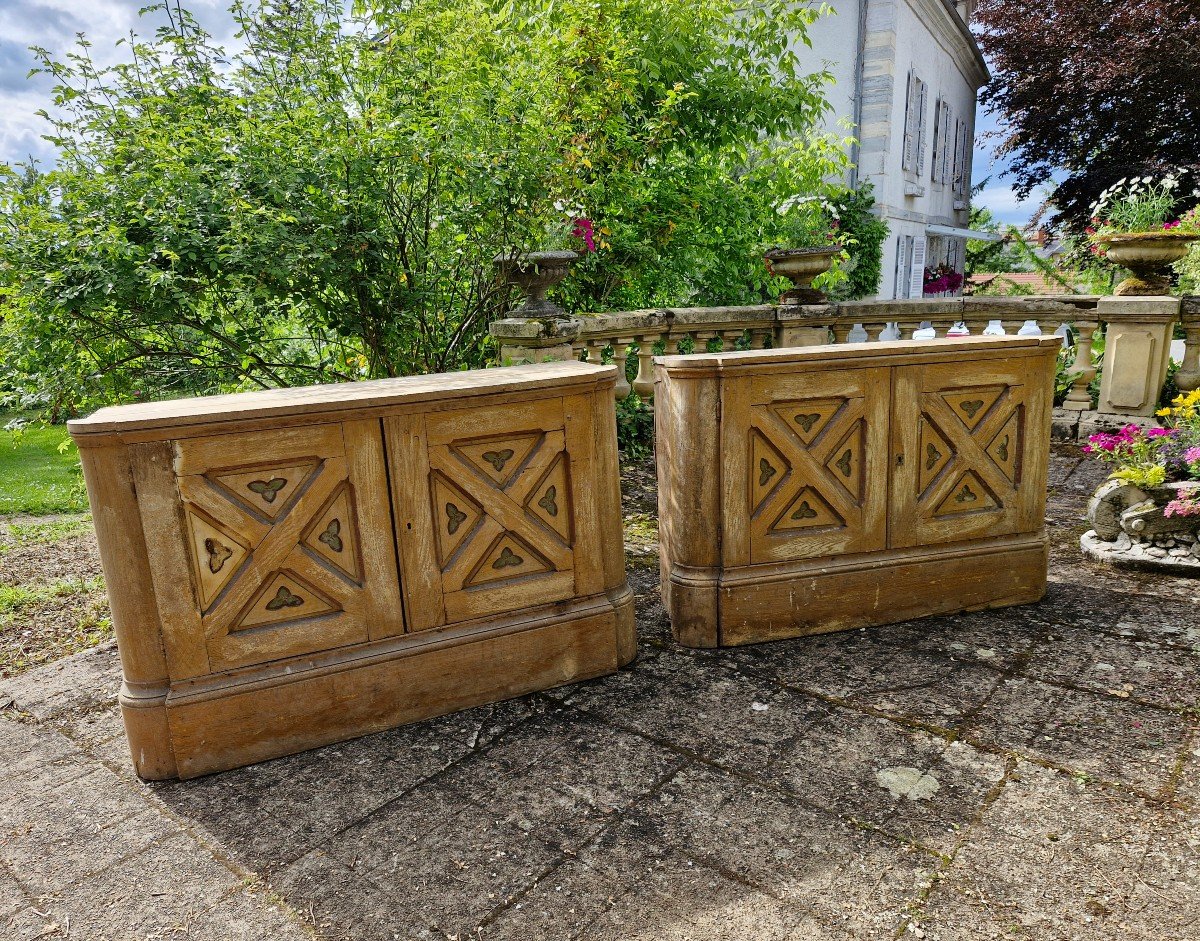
(907, 76)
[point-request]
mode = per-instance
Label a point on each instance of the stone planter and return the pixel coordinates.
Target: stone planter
(1147, 256)
(801, 266)
(1129, 528)
(535, 273)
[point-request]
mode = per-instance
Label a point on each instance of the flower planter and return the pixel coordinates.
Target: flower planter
(801, 266)
(1147, 256)
(535, 273)
(1131, 528)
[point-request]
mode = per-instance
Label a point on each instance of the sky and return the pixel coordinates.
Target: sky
(53, 25)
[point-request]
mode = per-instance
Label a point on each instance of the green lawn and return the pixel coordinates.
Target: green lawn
(37, 474)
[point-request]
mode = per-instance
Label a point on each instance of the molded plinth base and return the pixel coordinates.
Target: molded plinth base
(250, 715)
(751, 604)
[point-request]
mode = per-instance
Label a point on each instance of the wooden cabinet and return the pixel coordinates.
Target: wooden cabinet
(296, 567)
(824, 488)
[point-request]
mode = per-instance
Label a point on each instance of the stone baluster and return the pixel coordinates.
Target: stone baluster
(643, 382)
(758, 339)
(620, 356)
(595, 351)
(731, 338)
(841, 332)
(703, 338)
(1079, 399)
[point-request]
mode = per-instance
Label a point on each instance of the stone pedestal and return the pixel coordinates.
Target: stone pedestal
(1137, 350)
(523, 341)
(803, 324)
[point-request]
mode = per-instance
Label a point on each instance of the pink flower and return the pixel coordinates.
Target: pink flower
(583, 230)
(1192, 455)
(1159, 432)
(1171, 225)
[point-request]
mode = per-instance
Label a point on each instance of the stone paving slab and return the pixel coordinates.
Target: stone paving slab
(1028, 773)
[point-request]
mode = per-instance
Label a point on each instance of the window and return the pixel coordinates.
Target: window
(914, 125)
(912, 254)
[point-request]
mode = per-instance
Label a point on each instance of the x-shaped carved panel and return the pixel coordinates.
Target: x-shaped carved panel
(501, 508)
(807, 465)
(969, 450)
(263, 567)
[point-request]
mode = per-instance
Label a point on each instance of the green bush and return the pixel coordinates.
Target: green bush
(635, 428)
(864, 234)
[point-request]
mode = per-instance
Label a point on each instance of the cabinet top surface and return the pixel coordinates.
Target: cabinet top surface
(328, 400)
(849, 355)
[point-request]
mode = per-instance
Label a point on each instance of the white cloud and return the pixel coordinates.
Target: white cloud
(1004, 199)
(53, 25)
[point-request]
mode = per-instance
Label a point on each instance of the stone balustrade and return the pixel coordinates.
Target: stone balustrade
(1137, 333)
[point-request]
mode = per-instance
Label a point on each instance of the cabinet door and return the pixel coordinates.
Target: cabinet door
(488, 507)
(962, 439)
(271, 544)
(814, 482)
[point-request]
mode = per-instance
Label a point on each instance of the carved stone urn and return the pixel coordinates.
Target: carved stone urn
(535, 273)
(800, 266)
(1147, 255)
(1130, 528)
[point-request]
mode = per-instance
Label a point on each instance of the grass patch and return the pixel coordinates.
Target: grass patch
(44, 532)
(17, 598)
(39, 470)
(40, 623)
(641, 539)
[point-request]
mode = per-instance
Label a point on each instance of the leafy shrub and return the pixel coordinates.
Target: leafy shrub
(863, 235)
(635, 428)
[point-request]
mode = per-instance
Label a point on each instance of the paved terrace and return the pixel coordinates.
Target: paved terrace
(1029, 773)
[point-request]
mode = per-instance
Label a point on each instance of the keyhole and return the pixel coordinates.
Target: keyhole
(899, 460)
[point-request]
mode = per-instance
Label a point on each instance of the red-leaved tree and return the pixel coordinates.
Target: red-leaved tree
(1090, 91)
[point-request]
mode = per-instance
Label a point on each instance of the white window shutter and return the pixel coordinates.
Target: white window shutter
(922, 100)
(949, 143)
(910, 123)
(902, 250)
(916, 270)
(952, 175)
(939, 134)
(964, 173)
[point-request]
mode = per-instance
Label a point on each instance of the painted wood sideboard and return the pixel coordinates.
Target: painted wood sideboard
(830, 487)
(295, 567)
